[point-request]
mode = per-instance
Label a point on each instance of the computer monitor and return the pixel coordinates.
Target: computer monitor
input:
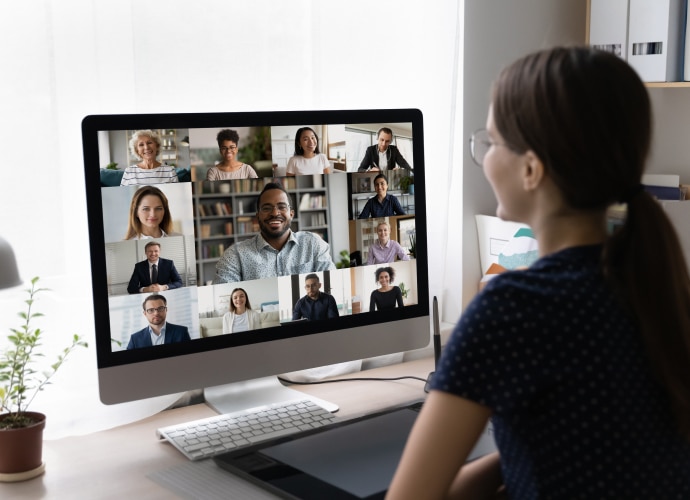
(194, 226)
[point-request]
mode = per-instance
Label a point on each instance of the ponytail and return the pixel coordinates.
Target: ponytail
(644, 264)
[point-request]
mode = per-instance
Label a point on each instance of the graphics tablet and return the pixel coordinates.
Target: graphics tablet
(355, 459)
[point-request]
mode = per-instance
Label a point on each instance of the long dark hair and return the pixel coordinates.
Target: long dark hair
(247, 305)
(587, 115)
(298, 149)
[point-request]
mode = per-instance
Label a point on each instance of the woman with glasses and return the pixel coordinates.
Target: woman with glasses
(307, 158)
(146, 146)
(581, 361)
(229, 167)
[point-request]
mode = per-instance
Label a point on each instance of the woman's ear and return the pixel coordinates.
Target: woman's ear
(533, 171)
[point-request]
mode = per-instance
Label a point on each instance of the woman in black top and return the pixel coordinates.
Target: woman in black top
(387, 296)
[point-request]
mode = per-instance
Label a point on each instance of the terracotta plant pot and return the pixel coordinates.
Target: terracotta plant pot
(21, 450)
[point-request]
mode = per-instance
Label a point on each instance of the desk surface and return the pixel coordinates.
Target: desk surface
(115, 463)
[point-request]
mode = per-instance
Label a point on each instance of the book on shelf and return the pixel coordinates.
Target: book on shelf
(656, 39)
(316, 219)
(664, 192)
(305, 201)
(608, 26)
(668, 180)
(248, 185)
(228, 228)
(312, 202)
(246, 224)
(213, 251)
(663, 186)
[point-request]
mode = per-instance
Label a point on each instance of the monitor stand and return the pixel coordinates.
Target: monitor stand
(238, 396)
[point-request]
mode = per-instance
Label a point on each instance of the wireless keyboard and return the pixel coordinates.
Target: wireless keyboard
(208, 437)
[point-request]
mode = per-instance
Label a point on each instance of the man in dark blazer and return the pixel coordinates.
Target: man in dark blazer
(155, 274)
(159, 331)
(383, 156)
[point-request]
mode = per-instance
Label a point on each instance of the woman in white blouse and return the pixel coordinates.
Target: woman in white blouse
(307, 158)
(240, 317)
(149, 215)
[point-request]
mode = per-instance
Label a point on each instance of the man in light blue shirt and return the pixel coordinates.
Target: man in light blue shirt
(276, 251)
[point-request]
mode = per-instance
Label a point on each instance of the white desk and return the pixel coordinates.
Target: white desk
(115, 463)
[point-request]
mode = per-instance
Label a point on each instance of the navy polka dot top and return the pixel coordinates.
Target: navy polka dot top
(576, 413)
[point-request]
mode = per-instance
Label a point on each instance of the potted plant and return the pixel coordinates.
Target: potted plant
(21, 430)
(257, 151)
(407, 184)
(403, 290)
(344, 261)
(412, 235)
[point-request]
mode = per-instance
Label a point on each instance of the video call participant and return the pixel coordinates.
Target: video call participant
(230, 167)
(387, 296)
(385, 250)
(155, 274)
(146, 145)
(315, 305)
(149, 215)
(383, 204)
(307, 158)
(383, 156)
(276, 250)
(241, 317)
(158, 332)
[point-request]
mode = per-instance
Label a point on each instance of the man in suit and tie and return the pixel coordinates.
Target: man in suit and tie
(159, 331)
(383, 155)
(155, 274)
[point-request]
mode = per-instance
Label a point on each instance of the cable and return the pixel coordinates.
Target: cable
(358, 379)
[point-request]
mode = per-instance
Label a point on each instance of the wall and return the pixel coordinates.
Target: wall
(670, 146)
(495, 34)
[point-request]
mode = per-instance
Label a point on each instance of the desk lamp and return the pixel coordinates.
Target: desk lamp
(9, 274)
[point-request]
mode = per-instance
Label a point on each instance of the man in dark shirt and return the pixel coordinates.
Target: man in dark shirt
(314, 305)
(383, 155)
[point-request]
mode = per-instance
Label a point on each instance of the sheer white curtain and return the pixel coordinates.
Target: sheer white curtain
(64, 60)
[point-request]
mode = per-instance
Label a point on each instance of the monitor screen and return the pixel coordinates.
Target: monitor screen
(227, 247)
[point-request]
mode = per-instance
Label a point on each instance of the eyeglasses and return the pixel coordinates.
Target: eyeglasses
(269, 209)
(152, 310)
(480, 143)
(226, 149)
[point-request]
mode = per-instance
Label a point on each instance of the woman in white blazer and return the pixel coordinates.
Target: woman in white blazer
(240, 317)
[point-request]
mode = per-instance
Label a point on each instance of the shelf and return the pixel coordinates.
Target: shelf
(667, 85)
